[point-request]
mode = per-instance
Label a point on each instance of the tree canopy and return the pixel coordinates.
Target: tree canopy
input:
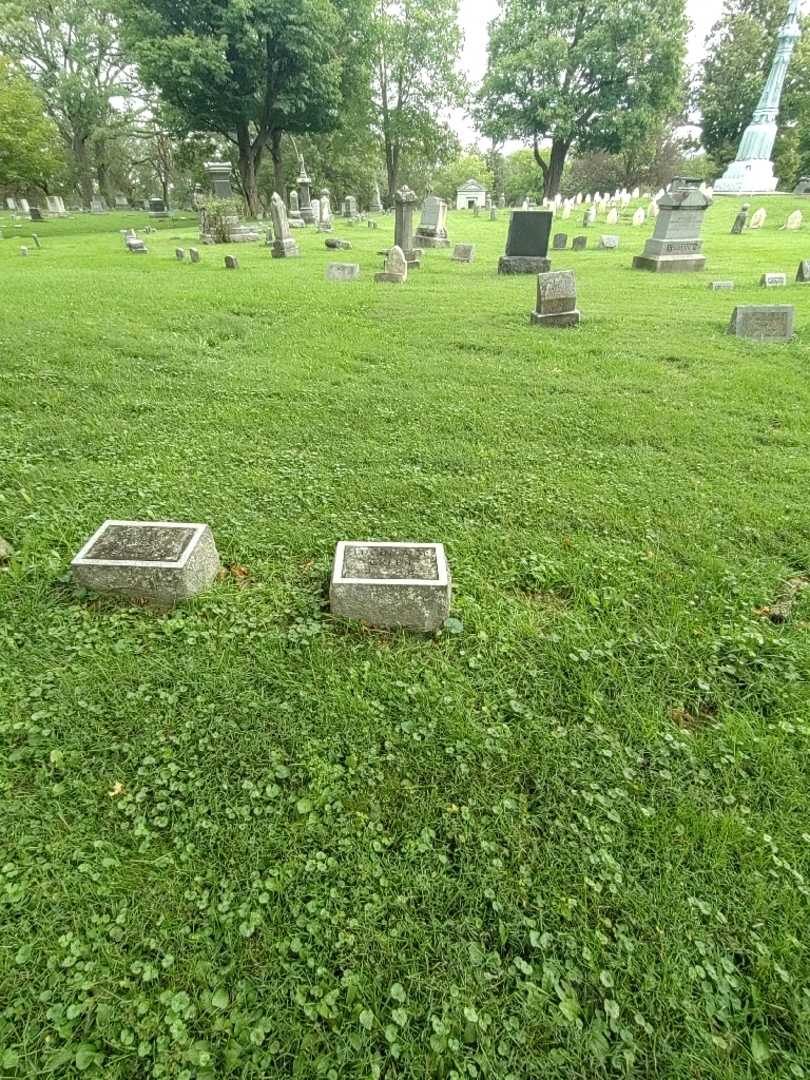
(586, 74)
(30, 154)
(250, 71)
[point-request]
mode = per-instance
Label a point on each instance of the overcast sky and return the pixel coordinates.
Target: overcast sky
(476, 14)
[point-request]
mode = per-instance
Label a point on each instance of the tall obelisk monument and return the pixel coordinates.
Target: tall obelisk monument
(752, 170)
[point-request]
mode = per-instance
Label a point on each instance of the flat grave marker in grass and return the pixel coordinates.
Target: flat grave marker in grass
(164, 561)
(763, 322)
(391, 585)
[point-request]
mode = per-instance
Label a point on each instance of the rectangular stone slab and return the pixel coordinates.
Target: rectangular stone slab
(763, 322)
(164, 561)
(529, 232)
(391, 585)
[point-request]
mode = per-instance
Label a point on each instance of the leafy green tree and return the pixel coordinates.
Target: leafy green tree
(71, 50)
(249, 70)
(581, 73)
(416, 44)
(739, 52)
(30, 152)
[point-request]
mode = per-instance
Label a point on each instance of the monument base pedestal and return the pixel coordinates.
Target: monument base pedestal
(754, 177)
(285, 249)
(431, 241)
(523, 264)
(557, 318)
(669, 264)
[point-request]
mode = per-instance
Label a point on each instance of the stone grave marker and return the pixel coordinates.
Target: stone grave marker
(763, 322)
(136, 246)
(556, 299)
(612, 217)
(391, 585)
(740, 220)
(560, 241)
(758, 218)
(527, 243)
(284, 247)
(579, 243)
(334, 243)
(566, 211)
(405, 201)
(803, 272)
(639, 217)
(304, 196)
(464, 253)
(231, 262)
(375, 206)
(773, 281)
(718, 286)
(179, 254)
(675, 245)
(163, 561)
(396, 268)
(326, 211)
(793, 221)
(23, 250)
(37, 215)
(194, 255)
(493, 213)
(608, 243)
(432, 230)
(342, 272)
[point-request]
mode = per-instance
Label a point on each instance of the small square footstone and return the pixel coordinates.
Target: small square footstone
(718, 286)
(231, 262)
(763, 322)
(391, 585)
(180, 254)
(773, 281)
(335, 244)
(560, 241)
(803, 273)
(556, 299)
(164, 561)
(579, 243)
(342, 272)
(464, 253)
(608, 243)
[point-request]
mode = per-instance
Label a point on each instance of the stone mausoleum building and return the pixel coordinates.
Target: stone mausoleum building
(470, 195)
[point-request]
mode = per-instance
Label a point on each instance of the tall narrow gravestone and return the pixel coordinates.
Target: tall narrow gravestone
(675, 246)
(304, 195)
(403, 226)
(556, 299)
(741, 220)
(392, 586)
(284, 246)
(527, 243)
(164, 561)
(803, 272)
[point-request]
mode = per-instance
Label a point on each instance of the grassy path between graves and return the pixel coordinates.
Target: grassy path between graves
(569, 837)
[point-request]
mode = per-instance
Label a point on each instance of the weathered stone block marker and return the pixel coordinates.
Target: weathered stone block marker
(763, 322)
(396, 268)
(335, 244)
(773, 281)
(391, 585)
(608, 242)
(579, 243)
(231, 262)
(803, 273)
(464, 253)
(675, 246)
(164, 561)
(560, 241)
(194, 255)
(342, 272)
(556, 299)
(718, 286)
(180, 254)
(527, 243)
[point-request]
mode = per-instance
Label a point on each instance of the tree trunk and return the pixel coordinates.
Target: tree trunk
(278, 163)
(553, 170)
(392, 169)
(249, 158)
(79, 151)
(164, 185)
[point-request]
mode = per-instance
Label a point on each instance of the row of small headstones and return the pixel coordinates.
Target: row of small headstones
(793, 221)
(389, 585)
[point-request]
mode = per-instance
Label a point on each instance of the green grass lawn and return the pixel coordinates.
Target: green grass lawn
(569, 836)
